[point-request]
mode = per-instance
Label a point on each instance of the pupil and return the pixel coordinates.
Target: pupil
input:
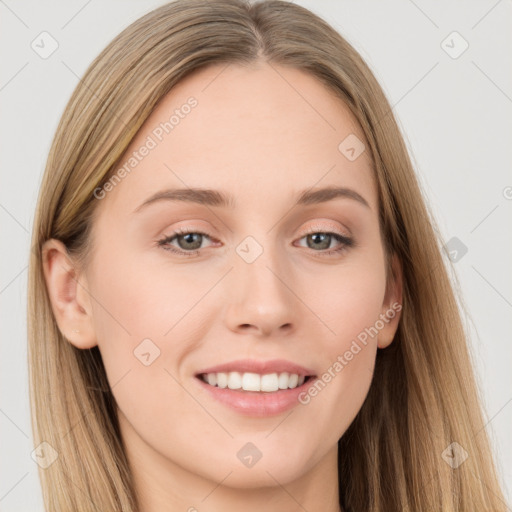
(189, 239)
(322, 235)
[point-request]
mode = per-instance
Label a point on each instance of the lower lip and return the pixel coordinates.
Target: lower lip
(256, 403)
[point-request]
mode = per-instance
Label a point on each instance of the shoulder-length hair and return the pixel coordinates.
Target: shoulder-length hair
(423, 396)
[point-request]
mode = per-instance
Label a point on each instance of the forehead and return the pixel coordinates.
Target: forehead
(261, 131)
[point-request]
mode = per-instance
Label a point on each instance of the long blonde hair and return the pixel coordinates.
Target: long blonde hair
(423, 396)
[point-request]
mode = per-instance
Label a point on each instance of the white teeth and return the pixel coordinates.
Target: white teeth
(251, 382)
(248, 381)
(269, 382)
(222, 380)
(234, 380)
(283, 380)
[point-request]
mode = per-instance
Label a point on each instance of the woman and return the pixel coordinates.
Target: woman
(237, 299)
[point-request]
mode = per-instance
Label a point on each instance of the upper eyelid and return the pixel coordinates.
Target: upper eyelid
(311, 229)
(316, 225)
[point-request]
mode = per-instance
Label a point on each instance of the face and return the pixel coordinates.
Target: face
(266, 284)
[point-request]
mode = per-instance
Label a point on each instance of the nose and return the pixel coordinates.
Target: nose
(261, 299)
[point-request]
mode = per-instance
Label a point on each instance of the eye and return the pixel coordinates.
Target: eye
(189, 241)
(322, 240)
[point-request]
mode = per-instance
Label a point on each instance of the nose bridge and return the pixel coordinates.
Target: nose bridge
(261, 266)
(260, 288)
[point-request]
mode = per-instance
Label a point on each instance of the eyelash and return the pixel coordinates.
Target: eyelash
(344, 240)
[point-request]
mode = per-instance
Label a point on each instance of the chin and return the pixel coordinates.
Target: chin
(270, 470)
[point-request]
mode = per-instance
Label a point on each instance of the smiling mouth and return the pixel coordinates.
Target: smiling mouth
(255, 382)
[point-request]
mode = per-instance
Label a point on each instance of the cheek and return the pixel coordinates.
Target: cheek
(129, 314)
(147, 321)
(132, 300)
(351, 299)
(350, 305)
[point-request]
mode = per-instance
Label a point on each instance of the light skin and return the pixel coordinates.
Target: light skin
(255, 137)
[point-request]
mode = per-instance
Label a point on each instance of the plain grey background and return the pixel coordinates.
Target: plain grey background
(454, 105)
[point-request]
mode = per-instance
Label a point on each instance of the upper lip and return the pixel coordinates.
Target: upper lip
(261, 367)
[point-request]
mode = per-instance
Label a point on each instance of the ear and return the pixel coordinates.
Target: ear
(392, 305)
(68, 294)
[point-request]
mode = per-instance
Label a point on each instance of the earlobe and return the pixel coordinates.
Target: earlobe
(392, 306)
(71, 308)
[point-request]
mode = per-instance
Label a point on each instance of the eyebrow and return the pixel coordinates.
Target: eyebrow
(217, 198)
